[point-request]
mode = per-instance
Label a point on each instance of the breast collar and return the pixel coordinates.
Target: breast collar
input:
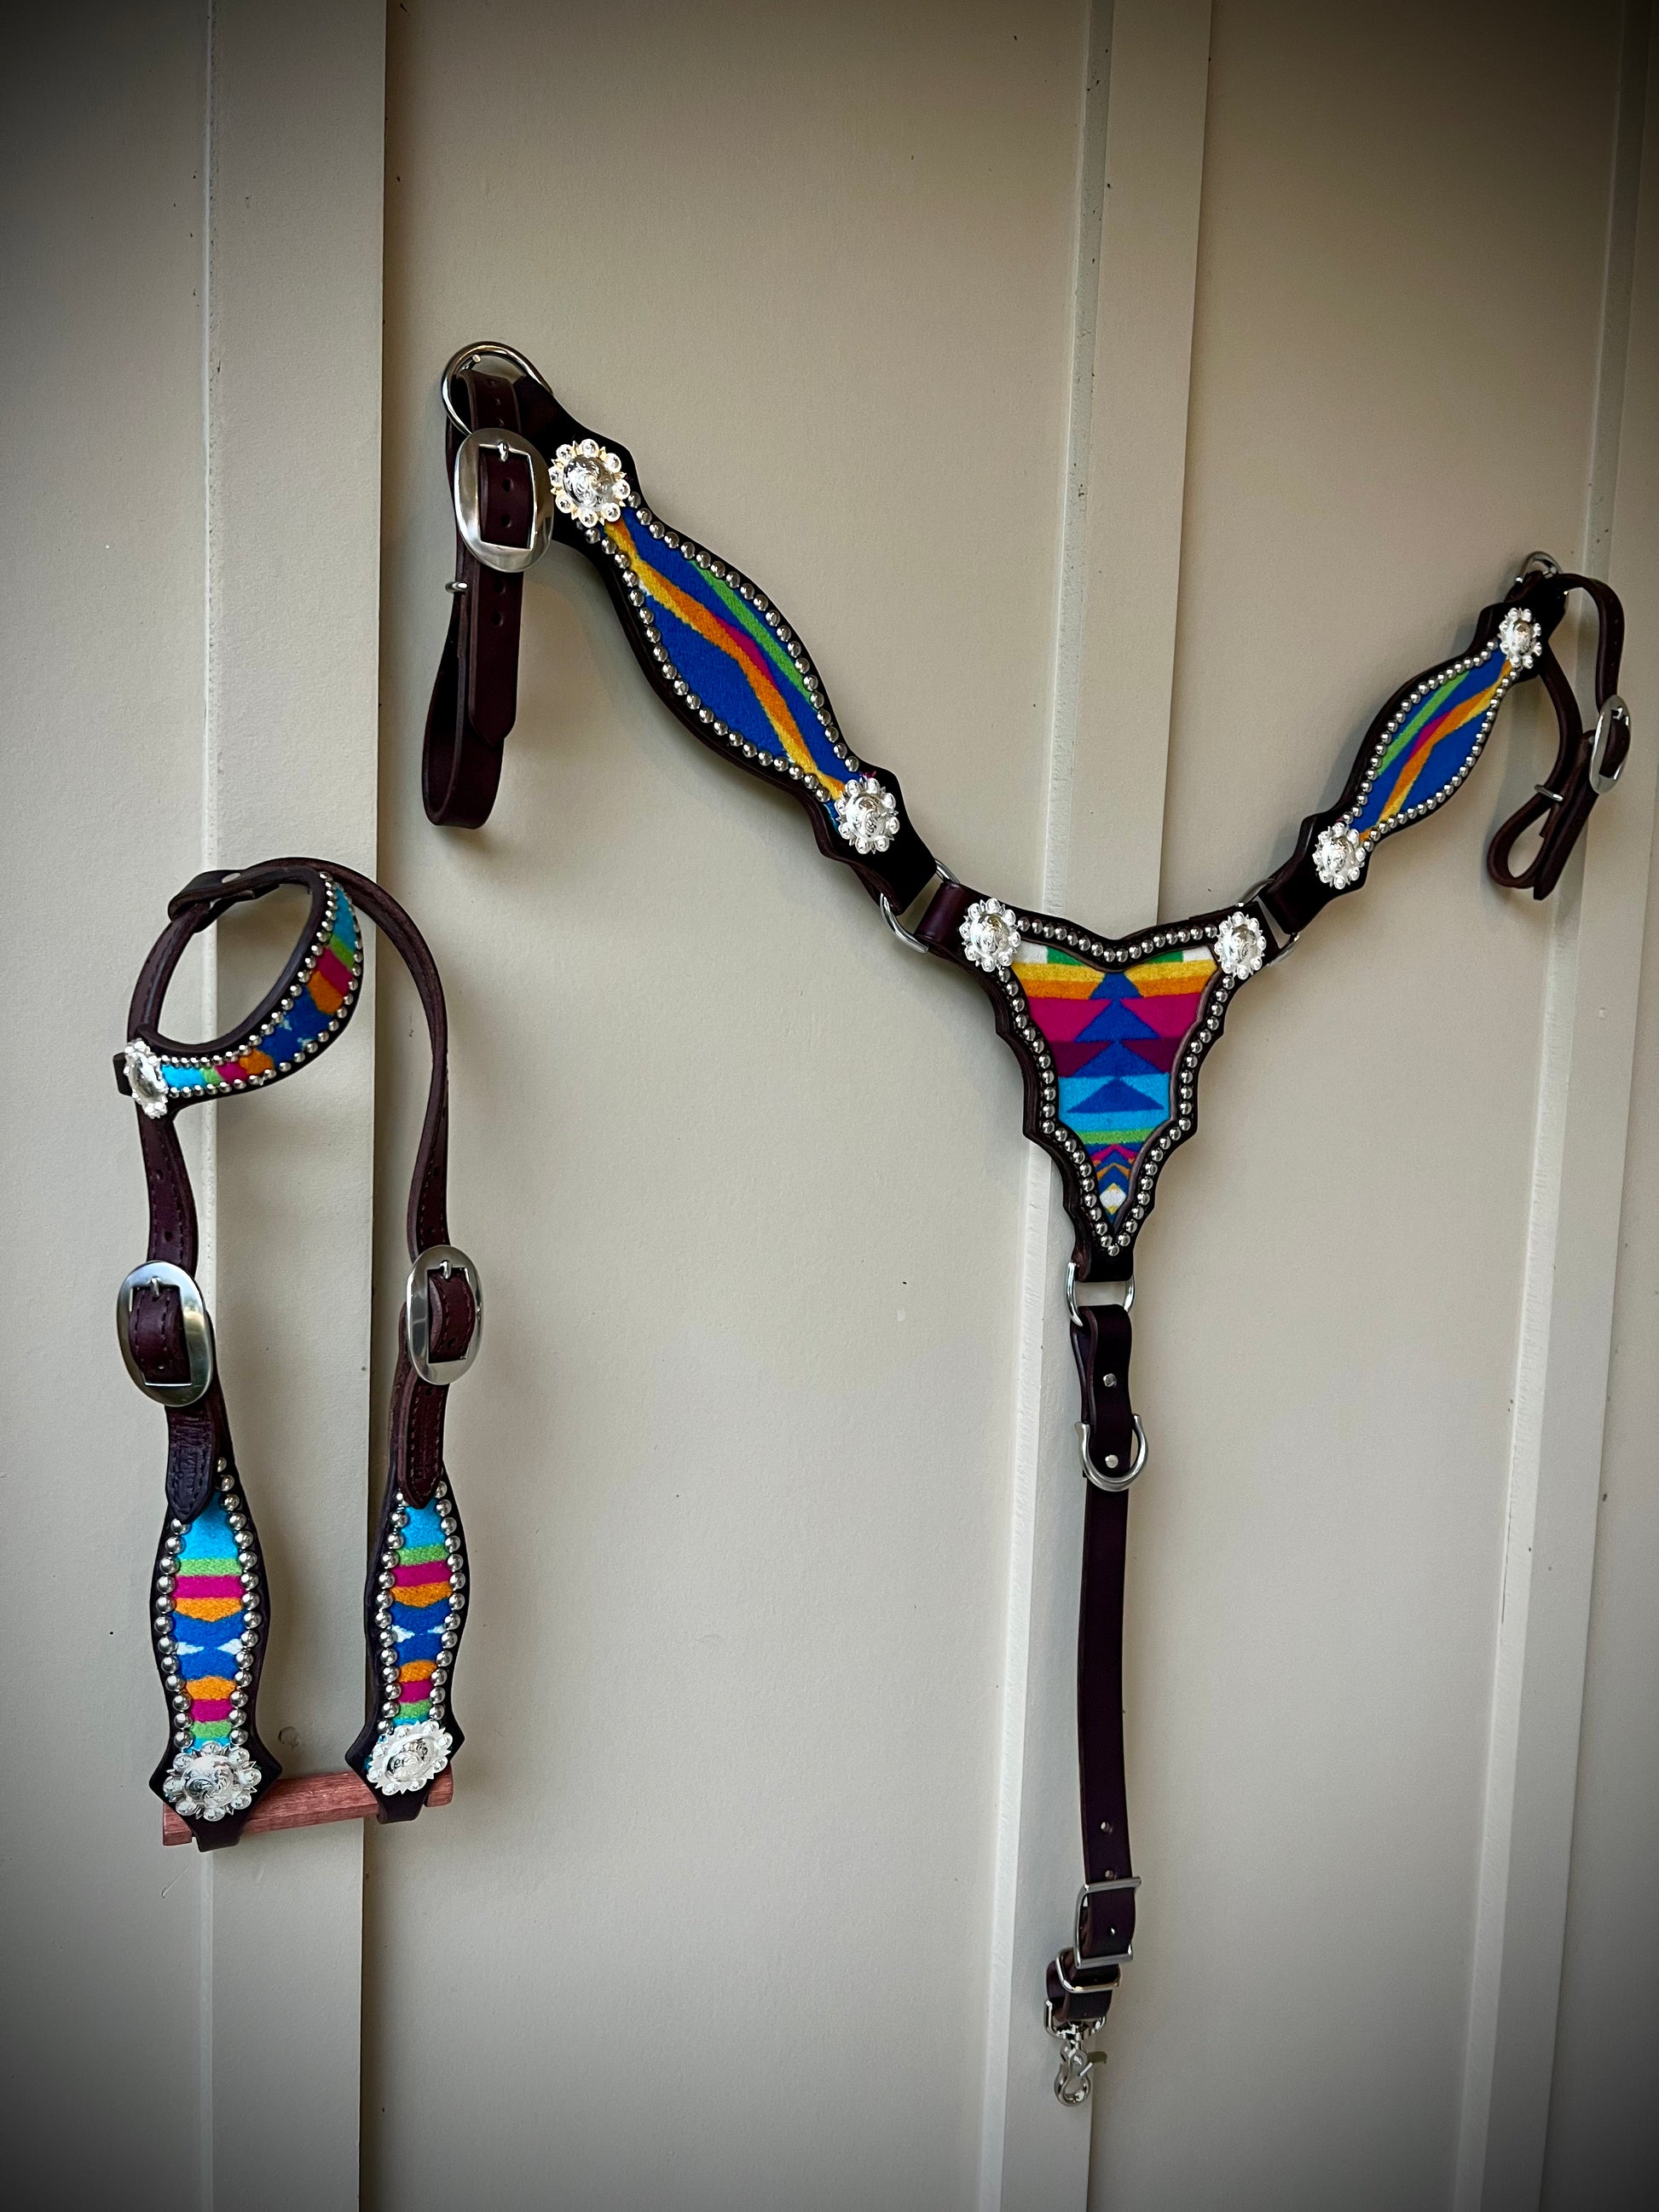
(211, 1607)
(1110, 1034)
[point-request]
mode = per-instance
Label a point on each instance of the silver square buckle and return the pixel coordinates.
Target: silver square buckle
(510, 560)
(194, 1321)
(439, 1259)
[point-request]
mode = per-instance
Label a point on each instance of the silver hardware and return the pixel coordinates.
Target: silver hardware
(509, 560)
(1091, 1989)
(1072, 2082)
(455, 591)
(1613, 711)
(469, 357)
(444, 1260)
(197, 1326)
(1119, 1292)
(1098, 1889)
(1108, 1480)
(900, 923)
(1543, 790)
(1535, 564)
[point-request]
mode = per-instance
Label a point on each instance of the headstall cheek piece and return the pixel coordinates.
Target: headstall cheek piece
(210, 1613)
(1110, 1034)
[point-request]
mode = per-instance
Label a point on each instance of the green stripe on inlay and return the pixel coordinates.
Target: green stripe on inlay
(417, 1555)
(762, 636)
(416, 1712)
(1408, 730)
(231, 1566)
(212, 1731)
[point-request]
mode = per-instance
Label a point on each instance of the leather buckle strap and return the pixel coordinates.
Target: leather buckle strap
(1111, 1439)
(508, 558)
(443, 1344)
(1587, 762)
(166, 1343)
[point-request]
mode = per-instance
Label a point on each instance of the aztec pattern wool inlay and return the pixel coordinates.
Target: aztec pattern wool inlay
(210, 1594)
(422, 1595)
(736, 664)
(1427, 756)
(1115, 1036)
(323, 996)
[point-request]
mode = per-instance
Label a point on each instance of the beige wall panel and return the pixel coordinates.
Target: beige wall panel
(709, 1925)
(101, 616)
(1383, 421)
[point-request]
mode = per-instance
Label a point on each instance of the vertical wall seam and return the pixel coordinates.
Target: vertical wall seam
(1036, 1208)
(1478, 2183)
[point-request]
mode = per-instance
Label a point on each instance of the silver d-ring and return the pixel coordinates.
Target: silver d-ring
(468, 356)
(195, 1326)
(1614, 712)
(1112, 1482)
(439, 1259)
(509, 560)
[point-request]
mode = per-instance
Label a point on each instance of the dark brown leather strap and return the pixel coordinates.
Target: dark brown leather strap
(1083, 1977)
(1561, 806)
(475, 699)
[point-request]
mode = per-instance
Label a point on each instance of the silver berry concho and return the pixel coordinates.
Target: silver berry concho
(1338, 857)
(1521, 634)
(867, 814)
(409, 1758)
(990, 935)
(209, 1781)
(588, 483)
(1241, 946)
(145, 1079)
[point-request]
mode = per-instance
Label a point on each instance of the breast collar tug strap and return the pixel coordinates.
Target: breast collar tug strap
(210, 1609)
(1110, 1034)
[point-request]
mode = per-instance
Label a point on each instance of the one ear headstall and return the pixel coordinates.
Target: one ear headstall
(210, 1609)
(1110, 1033)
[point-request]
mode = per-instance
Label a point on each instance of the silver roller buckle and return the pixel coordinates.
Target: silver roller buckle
(439, 1259)
(194, 1321)
(509, 560)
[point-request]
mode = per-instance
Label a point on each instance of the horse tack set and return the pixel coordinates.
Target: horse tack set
(211, 1607)
(1110, 1035)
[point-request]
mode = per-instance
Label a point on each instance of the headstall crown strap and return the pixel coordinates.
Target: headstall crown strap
(1111, 1034)
(210, 1606)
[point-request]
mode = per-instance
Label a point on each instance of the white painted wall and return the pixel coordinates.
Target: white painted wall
(1153, 390)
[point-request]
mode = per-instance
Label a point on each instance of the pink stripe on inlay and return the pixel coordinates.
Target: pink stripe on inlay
(207, 1586)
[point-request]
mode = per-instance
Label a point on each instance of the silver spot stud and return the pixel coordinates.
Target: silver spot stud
(990, 936)
(1521, 634)
(588, 483)
(1338, 857)
(867, 814)
(1240, 947)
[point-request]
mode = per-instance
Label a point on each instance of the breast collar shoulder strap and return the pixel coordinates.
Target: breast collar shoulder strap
(210, 1610)
(1111, 1034)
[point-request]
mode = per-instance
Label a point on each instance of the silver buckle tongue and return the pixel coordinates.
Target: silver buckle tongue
(510, 560)
(194, 1321)
(439, 1259)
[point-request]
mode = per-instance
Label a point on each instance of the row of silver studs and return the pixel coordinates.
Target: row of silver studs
(701, 558)
(386, 1584)
(1407, 707)
(285, 1005)
(235, 1747)
(1184, 1075)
